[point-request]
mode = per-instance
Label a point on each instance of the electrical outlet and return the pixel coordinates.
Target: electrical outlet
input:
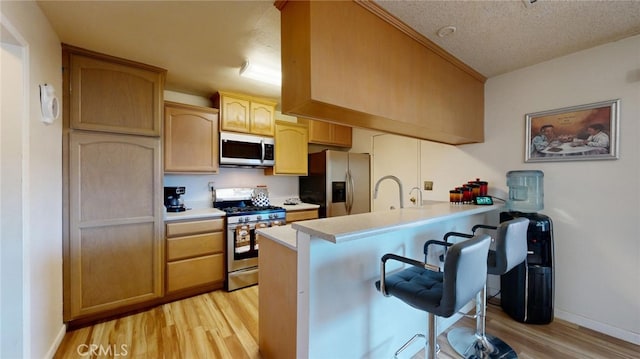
(211, 186)
(428, 185)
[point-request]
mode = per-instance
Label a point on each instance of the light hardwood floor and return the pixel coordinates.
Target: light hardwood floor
(225, 325)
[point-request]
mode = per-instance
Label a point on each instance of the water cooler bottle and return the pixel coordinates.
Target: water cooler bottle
(527, 290)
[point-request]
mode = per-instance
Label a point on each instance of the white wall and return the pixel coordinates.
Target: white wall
(12, 286)
(594, 205)
(41, 176)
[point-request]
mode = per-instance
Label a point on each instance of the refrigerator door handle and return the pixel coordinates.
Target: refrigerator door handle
(350, 190)
(346, 189)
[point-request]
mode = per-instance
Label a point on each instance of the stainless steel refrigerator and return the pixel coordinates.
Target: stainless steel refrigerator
(339, 182)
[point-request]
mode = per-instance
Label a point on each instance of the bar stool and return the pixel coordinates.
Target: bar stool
(425, 287)
(510, 251)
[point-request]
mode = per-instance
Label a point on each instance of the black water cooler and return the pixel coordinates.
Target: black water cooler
(527, 290)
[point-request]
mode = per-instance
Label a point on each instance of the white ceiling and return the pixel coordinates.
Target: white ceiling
(202, 44)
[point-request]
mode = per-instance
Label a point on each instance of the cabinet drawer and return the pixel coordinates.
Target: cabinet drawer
(194, 272)
(194, 227)
(302, 215)
(193, 246)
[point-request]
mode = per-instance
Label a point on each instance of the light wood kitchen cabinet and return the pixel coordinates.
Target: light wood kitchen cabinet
(115, 250)
(195, 255)
(262, 117)
(326, 133)
(278, 281)
(191, 139)
(114, 95)
(243, 113)
(302, 215)
(334, 69)
(290, 149)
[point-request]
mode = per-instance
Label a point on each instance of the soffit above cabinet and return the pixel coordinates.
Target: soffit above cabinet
(345, 64)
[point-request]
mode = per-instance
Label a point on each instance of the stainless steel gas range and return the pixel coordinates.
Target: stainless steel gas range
(242, 219)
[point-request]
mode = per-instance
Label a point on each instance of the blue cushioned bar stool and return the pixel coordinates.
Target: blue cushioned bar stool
(510, 251)
(425, 287)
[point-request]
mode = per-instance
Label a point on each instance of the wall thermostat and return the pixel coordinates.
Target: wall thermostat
(484, 200)
(49, 104)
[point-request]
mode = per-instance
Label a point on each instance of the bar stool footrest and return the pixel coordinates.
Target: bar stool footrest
(410, 341)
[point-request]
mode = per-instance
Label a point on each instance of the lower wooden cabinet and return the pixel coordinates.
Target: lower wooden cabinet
(278, 304)
(114, 251)
(195, 255)
(194, 272)
(303, 215)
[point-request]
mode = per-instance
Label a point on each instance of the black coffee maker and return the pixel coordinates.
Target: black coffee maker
(172, 200)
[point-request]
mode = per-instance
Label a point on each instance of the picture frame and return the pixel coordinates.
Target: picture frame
(577, 133)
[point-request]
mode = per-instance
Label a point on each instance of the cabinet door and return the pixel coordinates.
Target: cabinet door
(341, 135)
(235, 114)
(326, 133)
(195, 245)
(115, 222)
(190, 139)
(262, 120)
(194, 272)
(293, 216)
(115, 97)
(291, 149)
(319, 132)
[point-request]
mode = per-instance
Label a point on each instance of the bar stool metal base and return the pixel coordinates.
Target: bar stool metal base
(466, 343)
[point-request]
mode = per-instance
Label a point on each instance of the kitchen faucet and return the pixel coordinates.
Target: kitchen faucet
(391, 177)
(419, 195)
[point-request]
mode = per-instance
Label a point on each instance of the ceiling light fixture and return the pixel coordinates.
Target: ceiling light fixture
(446, 31)
(261, 73)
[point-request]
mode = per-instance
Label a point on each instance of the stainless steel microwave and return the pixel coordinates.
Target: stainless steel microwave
(237, 149)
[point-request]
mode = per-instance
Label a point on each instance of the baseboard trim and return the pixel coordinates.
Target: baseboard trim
(56, 343)
(599, 327)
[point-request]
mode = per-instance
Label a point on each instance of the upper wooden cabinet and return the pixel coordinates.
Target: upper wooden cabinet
(291, 141)
(261, 117)
(351, 62)
(117, 95)
(242, 113)
(325, 133)
(190, 139)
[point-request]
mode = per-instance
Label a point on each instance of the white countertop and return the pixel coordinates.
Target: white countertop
(346, 228)
(196, 213)
(202, 209)
(291, 208)
(284, 235)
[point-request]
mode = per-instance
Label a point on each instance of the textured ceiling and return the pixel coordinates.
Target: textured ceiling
(495, 37)
(202, 44)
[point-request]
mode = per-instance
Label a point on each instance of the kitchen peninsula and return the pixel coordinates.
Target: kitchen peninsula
(317, 294)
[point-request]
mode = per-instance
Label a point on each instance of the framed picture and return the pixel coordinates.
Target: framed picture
(586, 132)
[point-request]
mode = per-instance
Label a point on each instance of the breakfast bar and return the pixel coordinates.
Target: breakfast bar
(317, 293)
